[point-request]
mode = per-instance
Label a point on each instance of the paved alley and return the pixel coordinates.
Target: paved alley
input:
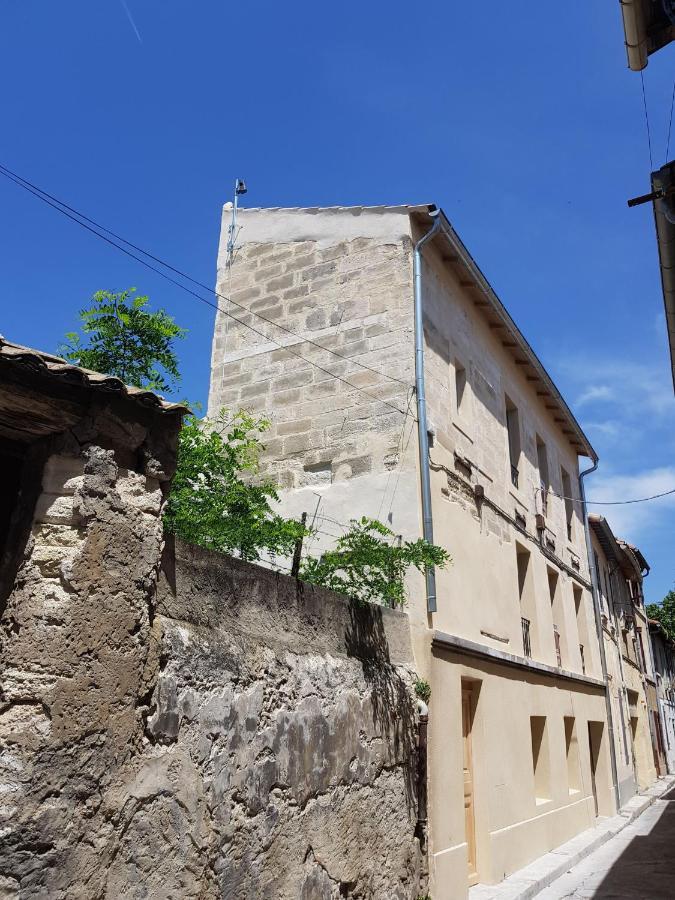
(638, 863)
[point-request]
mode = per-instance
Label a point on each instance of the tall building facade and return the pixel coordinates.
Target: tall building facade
(319, 336)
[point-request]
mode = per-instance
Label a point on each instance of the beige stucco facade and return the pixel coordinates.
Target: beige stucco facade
(518, 749)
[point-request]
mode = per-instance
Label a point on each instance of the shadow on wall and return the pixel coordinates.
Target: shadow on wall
(646, 867)
(394, 712)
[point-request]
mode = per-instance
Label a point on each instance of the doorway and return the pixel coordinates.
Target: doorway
(468, 772)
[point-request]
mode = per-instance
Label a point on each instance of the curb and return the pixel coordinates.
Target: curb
(528, 882)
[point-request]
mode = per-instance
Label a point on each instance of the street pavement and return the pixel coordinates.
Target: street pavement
(636, 864)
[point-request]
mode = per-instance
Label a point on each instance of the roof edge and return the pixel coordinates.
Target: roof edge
(486, 288)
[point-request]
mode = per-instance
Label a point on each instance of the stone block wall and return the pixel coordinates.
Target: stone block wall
(345, 283)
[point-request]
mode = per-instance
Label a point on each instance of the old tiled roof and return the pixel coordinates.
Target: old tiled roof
(54, 366)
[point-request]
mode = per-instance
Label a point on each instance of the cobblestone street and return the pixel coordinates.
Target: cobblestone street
(638, 863)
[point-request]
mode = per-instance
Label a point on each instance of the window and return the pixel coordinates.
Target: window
(556, 612)
(566, 482)
(460, 387)
(580, 611)
(572, 755)
(542, 462)
(540, 759)
(513, 431)
(525, 595)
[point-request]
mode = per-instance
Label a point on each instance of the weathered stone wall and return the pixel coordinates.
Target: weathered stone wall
(75, 654)
(233, 734)
(289, 712)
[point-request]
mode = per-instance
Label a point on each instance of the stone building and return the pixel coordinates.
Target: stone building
(663, 652)
(631, 678)
(319, 335)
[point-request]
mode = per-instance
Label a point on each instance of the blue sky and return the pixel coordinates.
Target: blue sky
(525, 126)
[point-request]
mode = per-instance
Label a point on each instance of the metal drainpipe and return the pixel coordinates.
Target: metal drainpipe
(598, 628)
(422, 433)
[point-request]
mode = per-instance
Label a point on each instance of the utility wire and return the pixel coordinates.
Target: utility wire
(670, 123)
(36, 193)
(649, 136)
(399, 455)
(100, 231)
(398, 477)
(38, 190)
(609, 502)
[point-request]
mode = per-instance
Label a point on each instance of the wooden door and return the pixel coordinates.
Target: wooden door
(594, 752)
(469, 817)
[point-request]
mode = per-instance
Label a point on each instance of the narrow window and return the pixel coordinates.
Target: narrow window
(525, 597)
(513, 431)
(556, 612)
(569, 506)
(542, 462)
(572, 755)
(540, 759)
(460, 387)
(580, 612)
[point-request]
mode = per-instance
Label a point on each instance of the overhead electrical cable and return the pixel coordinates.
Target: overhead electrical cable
(73, 217)
(670, 123)
(37, 191)
(649, 136)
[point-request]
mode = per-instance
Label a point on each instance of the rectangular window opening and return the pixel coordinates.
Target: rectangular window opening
(582, 629)
(460, 386)
(513, 432)
(572, 756)
(556, 612)
(525, 598)
(540, 759)
(542, 463)
(566, 482)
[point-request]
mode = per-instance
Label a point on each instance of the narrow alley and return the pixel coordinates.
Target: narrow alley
(636, 863)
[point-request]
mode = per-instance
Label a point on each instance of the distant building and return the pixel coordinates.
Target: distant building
(519, 755)
(663, 650)
(619, 571)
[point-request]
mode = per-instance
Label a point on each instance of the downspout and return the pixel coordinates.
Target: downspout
(598, 628)
(422, 433)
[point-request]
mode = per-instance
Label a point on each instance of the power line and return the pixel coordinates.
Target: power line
(609, 502)
(670, 123)
(623, 502)
(36, 193)
(649, 136)
(398, 477)
(399, 448)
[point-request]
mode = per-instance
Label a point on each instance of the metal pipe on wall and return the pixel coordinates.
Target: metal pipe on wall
(598, 628)
(422, 432)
